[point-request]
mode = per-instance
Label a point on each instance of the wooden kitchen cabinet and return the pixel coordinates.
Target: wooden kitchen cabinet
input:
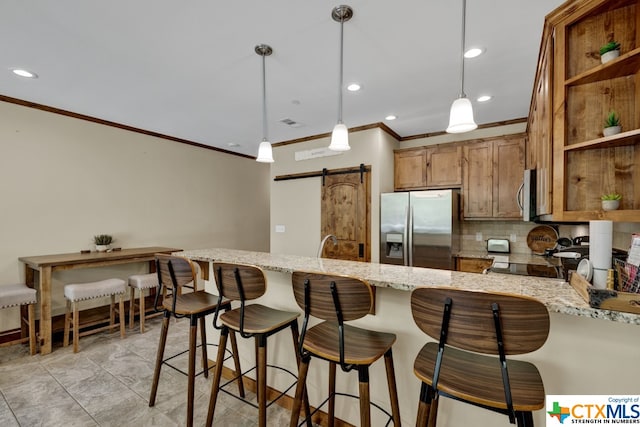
(472, 265)
(410, 169)
(539, 130)
(585, 163)
(438, 166)
(444, 166)
(492, 173)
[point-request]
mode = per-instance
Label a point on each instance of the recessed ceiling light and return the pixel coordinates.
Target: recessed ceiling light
(473, 52)
(353, 87)
(390, 117)
(24, 73)
(484, 98)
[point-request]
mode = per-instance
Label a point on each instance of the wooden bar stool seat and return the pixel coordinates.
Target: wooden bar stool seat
(243, 283)
(78, 292)
(141, 283)
(174, 274)
(476, 331)
(336, 299)
(20, 295)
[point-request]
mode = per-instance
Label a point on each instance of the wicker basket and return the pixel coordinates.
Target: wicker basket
(627, 276)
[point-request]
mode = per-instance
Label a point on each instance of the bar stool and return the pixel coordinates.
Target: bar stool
(174, 273)
(75, 293)
(336, 299)
(476, 331)
(141, 282)
(19, 295)
(243, 283)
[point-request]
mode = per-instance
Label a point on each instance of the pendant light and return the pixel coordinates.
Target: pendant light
(265, 153)
(340, 134)
(461, 115)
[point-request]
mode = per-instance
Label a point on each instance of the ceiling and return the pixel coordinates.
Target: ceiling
(188, 69)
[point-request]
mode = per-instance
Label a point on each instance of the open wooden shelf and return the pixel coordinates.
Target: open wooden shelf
(631, 137)
(624, 65)
(620, 215)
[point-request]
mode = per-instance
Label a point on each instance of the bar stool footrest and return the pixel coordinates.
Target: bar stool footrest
(324, 402)
(244, 374)
(201, 371)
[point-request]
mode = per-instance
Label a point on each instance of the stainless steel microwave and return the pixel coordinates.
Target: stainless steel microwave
(527, 195)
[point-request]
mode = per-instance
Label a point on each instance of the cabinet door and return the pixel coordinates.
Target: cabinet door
(410, 169)
(508, 169)
(477, 182)
(473, 265)
(444, 166)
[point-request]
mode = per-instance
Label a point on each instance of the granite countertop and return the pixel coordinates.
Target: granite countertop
(556, 294)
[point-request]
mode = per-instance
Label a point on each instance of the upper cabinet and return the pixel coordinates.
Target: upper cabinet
(587, 164)
(422, 168)
(492, 173)
(444, 166)
(410, 169)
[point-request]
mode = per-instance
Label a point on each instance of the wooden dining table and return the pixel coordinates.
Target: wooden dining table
(45, 265)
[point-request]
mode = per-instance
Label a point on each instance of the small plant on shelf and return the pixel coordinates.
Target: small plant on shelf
(611, 201)
(609, 51)
(102, 242)
(611, 196)
(611, 124)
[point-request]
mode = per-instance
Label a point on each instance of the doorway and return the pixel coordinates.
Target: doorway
(346, 214)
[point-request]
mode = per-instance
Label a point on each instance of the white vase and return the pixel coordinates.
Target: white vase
(102, 248)
(611, 130)
(610, 205)
(608, 56)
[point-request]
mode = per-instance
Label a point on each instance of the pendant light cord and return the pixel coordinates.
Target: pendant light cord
(264, 100)
(464, 14)
(341, 70)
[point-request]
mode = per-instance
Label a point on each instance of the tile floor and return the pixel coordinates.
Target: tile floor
(107, 383)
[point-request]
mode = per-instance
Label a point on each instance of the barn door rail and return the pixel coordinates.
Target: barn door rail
(325, 172)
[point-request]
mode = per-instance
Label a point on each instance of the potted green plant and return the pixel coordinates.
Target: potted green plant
(611, 124)
(611, 201)
(102, 242)
(609, 51)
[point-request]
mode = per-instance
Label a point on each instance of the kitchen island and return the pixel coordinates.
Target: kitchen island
(589, 351)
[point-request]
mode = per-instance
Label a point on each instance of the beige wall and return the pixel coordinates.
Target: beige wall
(478, 133)
(63, 180)
(296, 203)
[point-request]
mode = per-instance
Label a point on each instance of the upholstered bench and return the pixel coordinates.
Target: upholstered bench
(75, 293)
(19, 295)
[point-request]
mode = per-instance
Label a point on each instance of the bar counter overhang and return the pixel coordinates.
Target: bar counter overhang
(589, 351)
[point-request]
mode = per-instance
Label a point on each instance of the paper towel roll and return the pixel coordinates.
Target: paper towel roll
(600, 247)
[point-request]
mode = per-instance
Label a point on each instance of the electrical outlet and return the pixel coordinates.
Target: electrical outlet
(478, 237)
(512, 237)
(279, 228)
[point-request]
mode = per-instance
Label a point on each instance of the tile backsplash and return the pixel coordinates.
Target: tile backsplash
(516, 232)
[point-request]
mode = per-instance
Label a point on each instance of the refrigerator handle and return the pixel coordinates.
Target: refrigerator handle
(410, 233)
(405, 237)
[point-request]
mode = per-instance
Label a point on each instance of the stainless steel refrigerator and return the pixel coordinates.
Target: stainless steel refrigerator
(420, 228)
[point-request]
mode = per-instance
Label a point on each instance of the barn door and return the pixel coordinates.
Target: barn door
(346, 205)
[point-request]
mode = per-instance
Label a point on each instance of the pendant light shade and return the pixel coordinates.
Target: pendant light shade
(265, 153)
(340, 138)
(340, 134)
(461, 114)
